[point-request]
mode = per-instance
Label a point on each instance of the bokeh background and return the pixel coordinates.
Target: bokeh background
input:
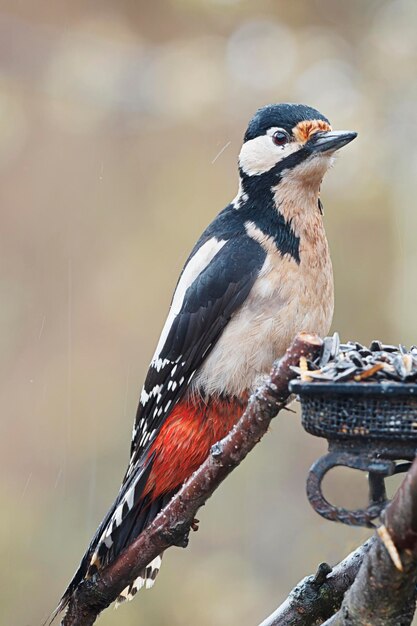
(120, 125)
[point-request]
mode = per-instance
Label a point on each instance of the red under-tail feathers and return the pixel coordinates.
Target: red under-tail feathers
(181, 446)
(185, 439)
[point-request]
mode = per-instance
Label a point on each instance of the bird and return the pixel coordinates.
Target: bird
(260, 273)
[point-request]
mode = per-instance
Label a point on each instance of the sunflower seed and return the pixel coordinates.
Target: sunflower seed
(351, 361)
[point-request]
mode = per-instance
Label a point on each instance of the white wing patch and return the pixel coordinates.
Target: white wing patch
(144, 395)
(158, 364)
(192, 270)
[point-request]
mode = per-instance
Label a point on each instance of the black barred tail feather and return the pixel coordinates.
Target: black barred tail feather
(131, 513)
(145, 579)
(81, 572)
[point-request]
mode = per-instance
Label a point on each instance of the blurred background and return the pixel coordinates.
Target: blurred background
(120, 125)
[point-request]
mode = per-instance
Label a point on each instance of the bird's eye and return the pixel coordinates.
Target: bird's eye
(280, 138)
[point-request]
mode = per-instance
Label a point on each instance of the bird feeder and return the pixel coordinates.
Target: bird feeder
(369, 426)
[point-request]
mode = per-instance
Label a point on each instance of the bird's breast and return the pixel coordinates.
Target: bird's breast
(287, 297)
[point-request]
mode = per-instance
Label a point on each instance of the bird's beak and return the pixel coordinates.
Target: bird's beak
(330, 141)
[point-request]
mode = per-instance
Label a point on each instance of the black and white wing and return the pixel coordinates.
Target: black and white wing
(214, 283)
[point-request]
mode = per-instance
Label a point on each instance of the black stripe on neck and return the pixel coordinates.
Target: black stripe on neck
(260, 208)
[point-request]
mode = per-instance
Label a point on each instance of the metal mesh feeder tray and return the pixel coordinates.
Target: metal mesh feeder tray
(369, 427)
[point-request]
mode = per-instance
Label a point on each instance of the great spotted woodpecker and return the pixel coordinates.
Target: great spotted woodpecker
(259, 274)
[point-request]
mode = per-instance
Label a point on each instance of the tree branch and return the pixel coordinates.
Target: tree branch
(172, 525)
(367, 586)
(317, 597)
(382, 594)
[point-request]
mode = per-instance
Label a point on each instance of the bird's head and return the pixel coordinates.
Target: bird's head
(288, 143)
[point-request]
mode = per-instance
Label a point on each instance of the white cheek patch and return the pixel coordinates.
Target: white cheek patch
(259, 155)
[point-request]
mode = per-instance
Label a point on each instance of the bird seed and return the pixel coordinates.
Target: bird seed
(353, 362)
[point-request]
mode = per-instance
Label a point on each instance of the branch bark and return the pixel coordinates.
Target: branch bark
(172, 525)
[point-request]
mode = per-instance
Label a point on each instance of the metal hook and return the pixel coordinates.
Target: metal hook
(378, 470)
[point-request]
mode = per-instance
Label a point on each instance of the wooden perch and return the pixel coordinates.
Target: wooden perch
(172, 525)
